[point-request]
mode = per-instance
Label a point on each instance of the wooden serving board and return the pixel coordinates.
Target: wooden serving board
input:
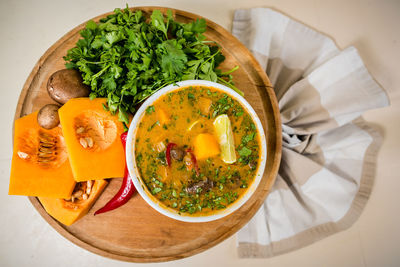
(136, 232)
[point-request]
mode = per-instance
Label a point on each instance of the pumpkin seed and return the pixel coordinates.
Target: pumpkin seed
(47, 142)
(83, 142)
(22, 155)
(84, 196)
(89, 141)
(46, 160)
(78, 194)
(47, 139)
(89, 187)
(80, 130)
(45, 136)
(45, 149)
(44, 155)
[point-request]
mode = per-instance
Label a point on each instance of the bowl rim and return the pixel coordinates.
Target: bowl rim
(140, 185)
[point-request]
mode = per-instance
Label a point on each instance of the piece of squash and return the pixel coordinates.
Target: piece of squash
(92, 136)
(68, 212)
(204, 105)
(40, 165)
(205, 146)
(162, 116)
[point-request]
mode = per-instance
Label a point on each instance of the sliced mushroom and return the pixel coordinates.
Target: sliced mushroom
(177, 153)
(204, 185)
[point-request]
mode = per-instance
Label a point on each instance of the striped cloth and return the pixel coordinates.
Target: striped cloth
(329, 152)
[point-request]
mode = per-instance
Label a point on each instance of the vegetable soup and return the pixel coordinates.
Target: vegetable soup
(197, 150)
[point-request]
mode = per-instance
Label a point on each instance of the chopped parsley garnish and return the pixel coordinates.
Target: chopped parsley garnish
(156, 190)
(244, 152)
(150, 109)
(153, 125)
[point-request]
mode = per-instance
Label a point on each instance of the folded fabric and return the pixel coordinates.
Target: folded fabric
(329, 151)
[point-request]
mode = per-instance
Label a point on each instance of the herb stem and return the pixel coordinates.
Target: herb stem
(231, 86)
(230, 71)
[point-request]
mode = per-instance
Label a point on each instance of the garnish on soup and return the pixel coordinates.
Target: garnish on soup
(197, 150)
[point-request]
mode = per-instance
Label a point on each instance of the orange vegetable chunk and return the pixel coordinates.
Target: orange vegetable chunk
(40, 165)
(92, 136)
(162, 116)
(205, 146)
(205, 105)
(67, 212)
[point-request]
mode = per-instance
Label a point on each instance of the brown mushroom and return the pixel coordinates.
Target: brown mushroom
(177, 153)
(200, 187)
(66, 84)
(48, 116)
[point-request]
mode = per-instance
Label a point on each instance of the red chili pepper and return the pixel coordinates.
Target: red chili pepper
(125, 192)
(194, 160)
(168, 153)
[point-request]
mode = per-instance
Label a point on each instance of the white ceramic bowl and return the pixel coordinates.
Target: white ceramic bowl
(140, 185)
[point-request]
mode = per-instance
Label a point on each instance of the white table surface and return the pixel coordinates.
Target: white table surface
(28, 28)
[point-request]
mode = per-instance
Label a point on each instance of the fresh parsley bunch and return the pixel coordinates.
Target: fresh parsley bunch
(126, 58)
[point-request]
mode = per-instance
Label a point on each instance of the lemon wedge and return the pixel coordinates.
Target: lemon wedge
(223, 128)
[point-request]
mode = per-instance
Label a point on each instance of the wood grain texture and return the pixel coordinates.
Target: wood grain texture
(136, 232)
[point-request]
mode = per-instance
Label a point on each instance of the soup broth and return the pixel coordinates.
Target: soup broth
(179, 153)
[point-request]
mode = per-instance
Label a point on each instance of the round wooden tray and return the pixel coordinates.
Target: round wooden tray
(136, 232)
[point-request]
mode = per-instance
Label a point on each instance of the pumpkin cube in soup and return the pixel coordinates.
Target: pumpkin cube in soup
(205, 146)
(205, 105)
(92, 136)
(162, 116)
(40, 165)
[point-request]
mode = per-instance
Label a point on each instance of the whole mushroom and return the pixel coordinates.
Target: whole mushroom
(177, 153)
(48, 116)
(66, 84)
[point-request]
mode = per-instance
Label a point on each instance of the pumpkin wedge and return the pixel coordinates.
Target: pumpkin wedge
(69, 211)
(40, 165)
(92, 137)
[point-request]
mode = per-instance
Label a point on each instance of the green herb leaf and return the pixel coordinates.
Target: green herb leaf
(244, 152)
(248, 138)
(173, 58)
(153, 125)
(199, 26)
(156, 190)
(157, 19)
(150, 109)
(123, 116)
(127, 58)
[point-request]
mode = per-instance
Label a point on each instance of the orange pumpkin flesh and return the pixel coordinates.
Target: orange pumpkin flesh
(68, 212)
(40, 165)
(92, 139)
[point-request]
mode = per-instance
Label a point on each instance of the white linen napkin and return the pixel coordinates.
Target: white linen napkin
(329, 151)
